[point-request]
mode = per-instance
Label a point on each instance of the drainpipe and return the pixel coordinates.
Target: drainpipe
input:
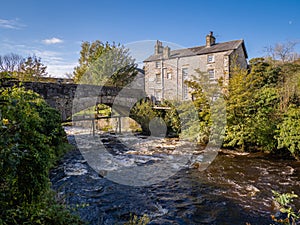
(162, 80)
(177, 78)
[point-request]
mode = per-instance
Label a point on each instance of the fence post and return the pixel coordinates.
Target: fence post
(93, 126)
(119, 124)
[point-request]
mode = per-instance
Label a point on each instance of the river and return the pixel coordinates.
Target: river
(234, 189)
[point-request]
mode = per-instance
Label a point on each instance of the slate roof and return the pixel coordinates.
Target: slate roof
(201, 50)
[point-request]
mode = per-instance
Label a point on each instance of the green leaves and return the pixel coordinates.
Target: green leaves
(288, 134)
(284, 200)
(31, 140)
(105, 64)
(143, 113)
(252, 107)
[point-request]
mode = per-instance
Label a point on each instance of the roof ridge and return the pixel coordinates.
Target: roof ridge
(200, 50)
(218, 43)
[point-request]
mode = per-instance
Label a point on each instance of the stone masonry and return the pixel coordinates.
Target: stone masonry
(166, 70)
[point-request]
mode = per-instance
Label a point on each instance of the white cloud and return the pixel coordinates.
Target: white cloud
(57, 65)
(59, 70)
(52, 41)
(11, 24)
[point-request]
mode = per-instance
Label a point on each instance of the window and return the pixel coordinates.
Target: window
(185, 92)
(158, 78)
(157, 94)
(157, 64)
(184, 86)
(184, 73)
(169, 76)
(210, 58)
(211, 74)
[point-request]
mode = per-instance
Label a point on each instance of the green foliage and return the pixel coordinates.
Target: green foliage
(46, 211)
(32, 69)
(290, 85)
(284, 201)
(263, 107)
(135, 220)
(143, 113)
(104, 64)
(252, 104)
(31, 140)
(207, 125)
(171, 117)
(202, 93)
(102, 110)
(289, 132)
(178, 118)
(99, 109)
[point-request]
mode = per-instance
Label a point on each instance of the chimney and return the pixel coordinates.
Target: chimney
(166, 52)
(158, 48)
(210, 39)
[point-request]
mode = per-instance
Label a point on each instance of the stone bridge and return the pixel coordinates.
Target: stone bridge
(71, 98)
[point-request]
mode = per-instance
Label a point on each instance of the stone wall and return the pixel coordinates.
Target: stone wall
(170, 85)
(71, 98)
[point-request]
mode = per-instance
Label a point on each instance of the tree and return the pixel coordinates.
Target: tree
(290, 85)
(252, 107)
(209, 103)
(32, 140)
(289, 132)
(24, 69)
(10, 65)
(282, 51)
(143, 113)
(11, 62)
(104, 64)
(32, 69)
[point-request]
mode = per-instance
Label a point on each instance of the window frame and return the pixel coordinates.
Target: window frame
(157, 65)
(210, 58)
(158, 81)
(213, 73)
(169, 75)
(184, 74)
(158, 94)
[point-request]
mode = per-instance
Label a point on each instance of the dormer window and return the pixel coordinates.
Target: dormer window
(210, 59)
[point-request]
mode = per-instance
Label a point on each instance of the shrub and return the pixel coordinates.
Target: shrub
(31, 140)
(289, 132)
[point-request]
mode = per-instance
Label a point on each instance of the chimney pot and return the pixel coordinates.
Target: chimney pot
(166, 52)
(158, 48)
(210, 39)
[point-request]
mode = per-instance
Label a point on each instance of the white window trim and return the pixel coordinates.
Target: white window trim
(158, 81)
(185, 76)
(157, 65)
(209, 74)
(157, 94)
(212, 58)
(169, 75)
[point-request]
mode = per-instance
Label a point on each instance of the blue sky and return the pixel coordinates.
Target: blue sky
(54, 30)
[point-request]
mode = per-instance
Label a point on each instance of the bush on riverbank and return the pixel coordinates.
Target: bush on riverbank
(263, 107)
(31, 140)
(289, 132)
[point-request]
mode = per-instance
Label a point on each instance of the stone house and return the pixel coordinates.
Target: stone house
(166, 70)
